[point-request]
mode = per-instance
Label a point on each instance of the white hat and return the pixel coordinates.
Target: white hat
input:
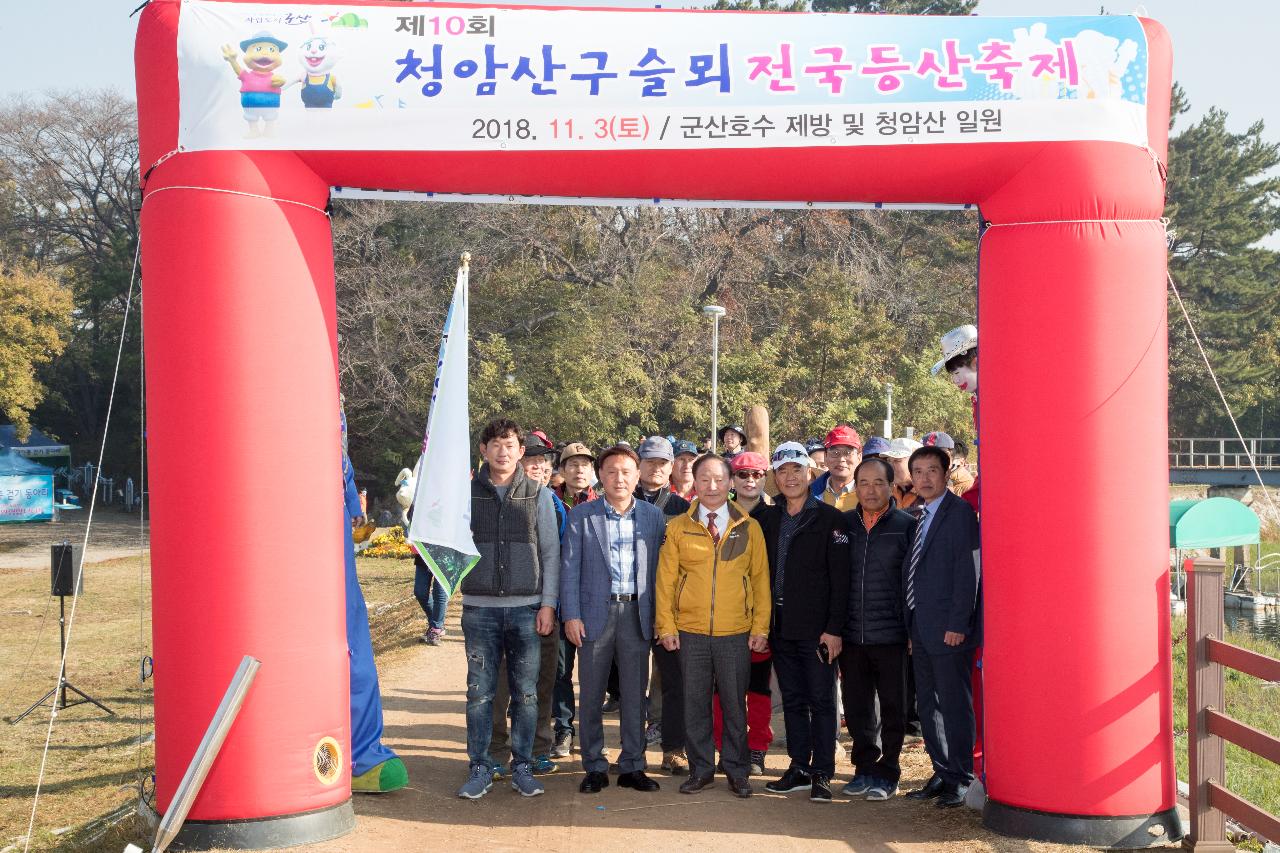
(791, 451)
(901, 448)
(956, 342)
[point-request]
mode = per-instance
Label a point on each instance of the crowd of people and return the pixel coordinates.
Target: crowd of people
(681, 584)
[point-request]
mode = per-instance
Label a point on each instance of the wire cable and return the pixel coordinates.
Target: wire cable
(1275, 515)
(75, 594)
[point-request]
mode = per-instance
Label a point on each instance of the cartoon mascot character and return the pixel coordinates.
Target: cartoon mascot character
(260, 85)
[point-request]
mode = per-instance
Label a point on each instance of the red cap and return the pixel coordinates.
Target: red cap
(748, 461)
(843, 435)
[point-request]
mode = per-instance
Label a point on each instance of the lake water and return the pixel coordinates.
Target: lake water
(1260, 623)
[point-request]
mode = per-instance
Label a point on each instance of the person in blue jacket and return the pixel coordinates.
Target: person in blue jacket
(375, 769)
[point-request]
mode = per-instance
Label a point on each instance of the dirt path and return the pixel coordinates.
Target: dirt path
(115, 534)
(424, 704)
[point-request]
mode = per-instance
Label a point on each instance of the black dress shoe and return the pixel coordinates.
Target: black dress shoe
(952, 796)
(694, 784)
(594, 782)
(740, 787)
(932, 788)
(636, 779)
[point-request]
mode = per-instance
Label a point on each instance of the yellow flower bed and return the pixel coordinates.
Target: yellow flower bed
(390, 543)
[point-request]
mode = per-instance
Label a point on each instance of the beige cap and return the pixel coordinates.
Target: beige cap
(576, 448)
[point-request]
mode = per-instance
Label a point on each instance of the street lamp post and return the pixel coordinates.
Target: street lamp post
(888, 417)
(715, 312)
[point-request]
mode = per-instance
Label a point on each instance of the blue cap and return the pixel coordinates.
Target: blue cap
(875, 446)
(684, 446)
(656, 447)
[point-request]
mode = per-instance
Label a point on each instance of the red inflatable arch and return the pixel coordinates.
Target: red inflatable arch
(241, 346)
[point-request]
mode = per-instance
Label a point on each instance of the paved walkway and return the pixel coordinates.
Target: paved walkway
(424, 704)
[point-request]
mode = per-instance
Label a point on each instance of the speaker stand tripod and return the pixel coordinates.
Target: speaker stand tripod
(58, 695)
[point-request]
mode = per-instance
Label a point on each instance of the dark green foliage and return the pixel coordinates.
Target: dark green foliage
(1223, 198)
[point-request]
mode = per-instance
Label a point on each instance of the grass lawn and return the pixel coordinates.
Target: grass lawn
(95, 761)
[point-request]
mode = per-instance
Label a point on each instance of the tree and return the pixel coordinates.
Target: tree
(35, 310)
(69, 187)
(1222, 200)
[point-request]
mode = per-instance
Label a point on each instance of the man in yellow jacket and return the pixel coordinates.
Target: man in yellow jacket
(713, 606)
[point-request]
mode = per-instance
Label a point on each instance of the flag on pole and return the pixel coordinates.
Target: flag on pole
(441, 528)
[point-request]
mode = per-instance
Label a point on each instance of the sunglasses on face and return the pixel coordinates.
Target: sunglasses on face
(750, 475)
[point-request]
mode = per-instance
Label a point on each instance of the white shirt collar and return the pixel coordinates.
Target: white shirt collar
(722, 515)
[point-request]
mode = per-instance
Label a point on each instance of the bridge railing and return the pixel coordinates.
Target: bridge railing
(1224, 453)
(1208, 726)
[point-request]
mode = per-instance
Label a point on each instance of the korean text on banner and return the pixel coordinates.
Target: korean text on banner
(426, 78)
(26, 497)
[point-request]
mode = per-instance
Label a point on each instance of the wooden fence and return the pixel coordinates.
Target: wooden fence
(1208, 726)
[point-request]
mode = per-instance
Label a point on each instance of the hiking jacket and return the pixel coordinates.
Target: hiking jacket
(874, 610)
(715, 590)
(815, 587)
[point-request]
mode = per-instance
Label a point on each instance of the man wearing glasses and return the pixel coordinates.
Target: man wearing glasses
(843, 453)
(808, 547)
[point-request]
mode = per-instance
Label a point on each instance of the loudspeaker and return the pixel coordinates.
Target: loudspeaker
(64, 564)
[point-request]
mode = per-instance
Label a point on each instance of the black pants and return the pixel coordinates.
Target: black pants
(945, 691)
(563, 708)
(913, 712)
(612, 689)
(672, 682)
(868, 673)
(808, 688)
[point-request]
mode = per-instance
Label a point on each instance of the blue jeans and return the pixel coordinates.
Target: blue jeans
(489, 635)
(430, 593)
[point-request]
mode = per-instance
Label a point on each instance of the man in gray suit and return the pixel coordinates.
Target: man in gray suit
(609, 562)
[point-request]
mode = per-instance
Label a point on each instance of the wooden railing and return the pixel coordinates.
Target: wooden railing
(1208, 727)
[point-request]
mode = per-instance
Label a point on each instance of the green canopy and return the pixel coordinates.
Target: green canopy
(1211, 523)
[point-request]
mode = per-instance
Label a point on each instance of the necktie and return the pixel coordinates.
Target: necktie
(916, 547)
(711, 528)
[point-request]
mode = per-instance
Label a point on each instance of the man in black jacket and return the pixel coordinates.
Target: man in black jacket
(656, 459)
(874, 661)
(808, 546)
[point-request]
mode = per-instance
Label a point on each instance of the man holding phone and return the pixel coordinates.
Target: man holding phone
(808, 547)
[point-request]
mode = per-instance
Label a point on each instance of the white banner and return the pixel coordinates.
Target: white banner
(26, 497)
(441, 526)
(436, 78)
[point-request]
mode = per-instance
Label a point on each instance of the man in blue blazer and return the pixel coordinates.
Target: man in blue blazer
(608, 566)
(942, 586)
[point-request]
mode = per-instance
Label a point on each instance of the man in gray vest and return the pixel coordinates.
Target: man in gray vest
(508, 600)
